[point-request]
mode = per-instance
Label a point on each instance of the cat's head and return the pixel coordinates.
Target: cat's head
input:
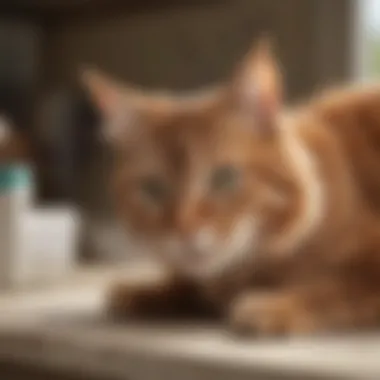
(207, 178)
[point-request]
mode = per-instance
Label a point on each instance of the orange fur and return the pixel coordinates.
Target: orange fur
(289, 240)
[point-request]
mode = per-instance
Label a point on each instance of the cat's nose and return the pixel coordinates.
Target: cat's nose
(186, 223)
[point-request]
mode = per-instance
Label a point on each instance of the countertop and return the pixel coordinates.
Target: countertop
(64, 328)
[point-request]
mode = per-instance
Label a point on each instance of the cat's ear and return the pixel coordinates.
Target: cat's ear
(114, 102)
(106, 94)
(257, 86)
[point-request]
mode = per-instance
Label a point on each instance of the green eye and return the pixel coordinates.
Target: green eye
(154, 189)
(225, 178)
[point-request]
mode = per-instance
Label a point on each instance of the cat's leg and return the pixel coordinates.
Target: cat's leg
(316, 308)
(166, 297)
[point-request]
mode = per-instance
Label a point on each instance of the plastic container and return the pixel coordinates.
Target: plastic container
(49, 245)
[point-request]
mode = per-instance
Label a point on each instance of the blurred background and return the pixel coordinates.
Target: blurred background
(55, 211)
(179, 44)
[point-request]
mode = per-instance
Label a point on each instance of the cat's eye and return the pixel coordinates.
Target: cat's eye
(224, 178)
(154, 189)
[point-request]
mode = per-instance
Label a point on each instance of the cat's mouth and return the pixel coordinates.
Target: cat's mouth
(210, 264)
(210, 254)
(192, 260)
(196, 263)
(198, 260)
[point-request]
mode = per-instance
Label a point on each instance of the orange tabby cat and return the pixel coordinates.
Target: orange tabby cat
(267, 216)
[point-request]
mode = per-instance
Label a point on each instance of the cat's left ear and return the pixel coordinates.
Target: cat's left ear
(106, 93)
(258, 88)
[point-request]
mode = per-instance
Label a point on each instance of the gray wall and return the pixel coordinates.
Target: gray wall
(183, 47)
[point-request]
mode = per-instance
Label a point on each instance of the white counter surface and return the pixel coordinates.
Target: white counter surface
(64, 328)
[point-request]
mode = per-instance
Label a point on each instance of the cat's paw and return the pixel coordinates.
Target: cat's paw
(128, 300)
(269, 314)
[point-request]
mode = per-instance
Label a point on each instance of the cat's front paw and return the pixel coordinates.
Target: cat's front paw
(128, 300)
(269, 314)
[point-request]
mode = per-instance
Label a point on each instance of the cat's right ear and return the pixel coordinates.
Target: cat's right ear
(103, 91)
(111, 99)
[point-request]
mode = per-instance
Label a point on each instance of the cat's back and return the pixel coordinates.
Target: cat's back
(353, 116)
(347, 106)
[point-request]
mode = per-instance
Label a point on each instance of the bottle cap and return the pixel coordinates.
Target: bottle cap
(15, 176)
